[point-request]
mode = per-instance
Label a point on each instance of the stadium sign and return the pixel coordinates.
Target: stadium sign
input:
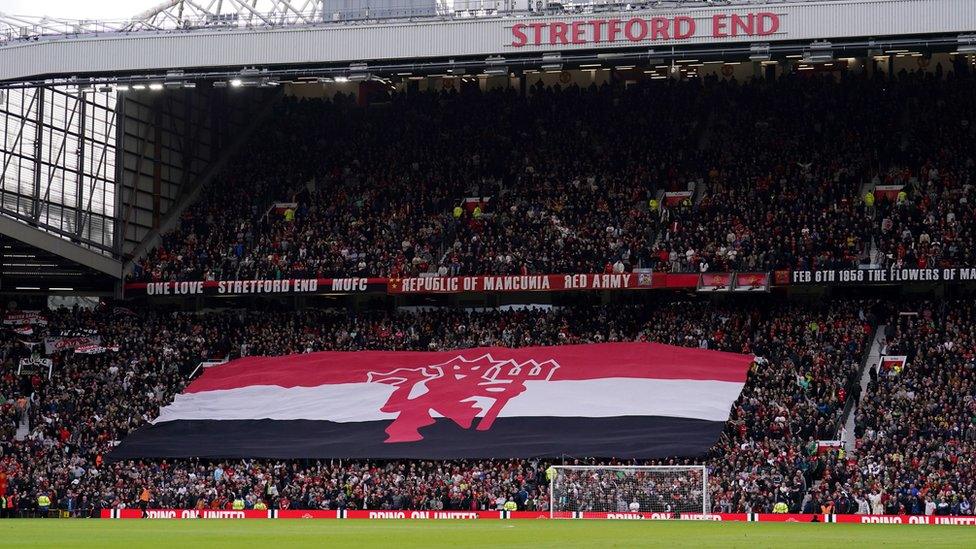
(520, 283)
(432, 284)
(177, 514)
(413, 285)
(892, 275)
(617, 30)
(733, 282)
(247, 287)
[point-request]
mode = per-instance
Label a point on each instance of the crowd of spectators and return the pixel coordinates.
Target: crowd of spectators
(629, 490)
(795, 392)
(781, 172)
(916, 427)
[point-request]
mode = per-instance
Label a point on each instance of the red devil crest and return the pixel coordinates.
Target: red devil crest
(459, 389)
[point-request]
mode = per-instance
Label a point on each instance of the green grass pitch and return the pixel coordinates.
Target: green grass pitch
(562, 534)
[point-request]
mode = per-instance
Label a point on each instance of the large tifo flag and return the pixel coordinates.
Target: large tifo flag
(627, 400)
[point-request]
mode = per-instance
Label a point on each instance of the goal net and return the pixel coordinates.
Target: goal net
(623, 489)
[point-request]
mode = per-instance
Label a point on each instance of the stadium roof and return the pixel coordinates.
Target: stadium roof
(189, 15)
(175, 15)
(32, 261)
(220, 40)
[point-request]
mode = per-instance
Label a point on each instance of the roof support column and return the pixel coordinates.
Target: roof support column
(157, 162)
(118, 229)
(38, 149)
(80, 170)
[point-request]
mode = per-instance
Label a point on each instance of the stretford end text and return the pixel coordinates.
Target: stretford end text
(641, 29)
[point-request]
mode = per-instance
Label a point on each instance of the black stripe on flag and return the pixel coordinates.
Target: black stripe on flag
(510, 437)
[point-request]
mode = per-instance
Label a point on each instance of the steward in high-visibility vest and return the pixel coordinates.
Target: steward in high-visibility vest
(869, 199)
(260, 506)
(780, 508)
(238, 504)
(902, 197)
(144, 497)
(43, 502)
(476, 213)
(458, 212)
(511, 505)
(550, 473)
(654, 204)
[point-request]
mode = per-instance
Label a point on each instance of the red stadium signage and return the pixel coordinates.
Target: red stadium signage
(751, 282)
(907, 519)
(183, 514)
(303, 514)
(618, 30)
(648, 516)
(423, 515)
(524, 283)
(715, 282)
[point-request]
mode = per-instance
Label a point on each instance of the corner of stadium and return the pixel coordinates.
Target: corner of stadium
(560, 274)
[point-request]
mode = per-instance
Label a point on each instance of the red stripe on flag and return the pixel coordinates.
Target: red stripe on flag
(567, 362)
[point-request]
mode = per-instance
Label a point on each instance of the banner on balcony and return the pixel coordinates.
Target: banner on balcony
(894, 275)
(413, 285)
(69, 343)
(24, 318)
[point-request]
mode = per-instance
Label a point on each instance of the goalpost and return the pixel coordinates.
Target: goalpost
(625, 489)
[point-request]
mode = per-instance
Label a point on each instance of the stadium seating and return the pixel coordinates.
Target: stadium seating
(916, 428)
(791, 173)
(795, 393)
(561, 181)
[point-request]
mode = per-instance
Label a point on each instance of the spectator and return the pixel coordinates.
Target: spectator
(804, 356)
(776, 167)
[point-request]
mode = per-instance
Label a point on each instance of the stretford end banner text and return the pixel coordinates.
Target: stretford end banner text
(418, 285)
(539, 283)
(619, 30)
(894, 275)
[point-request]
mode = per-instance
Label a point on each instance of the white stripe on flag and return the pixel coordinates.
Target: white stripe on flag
(357, 402)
